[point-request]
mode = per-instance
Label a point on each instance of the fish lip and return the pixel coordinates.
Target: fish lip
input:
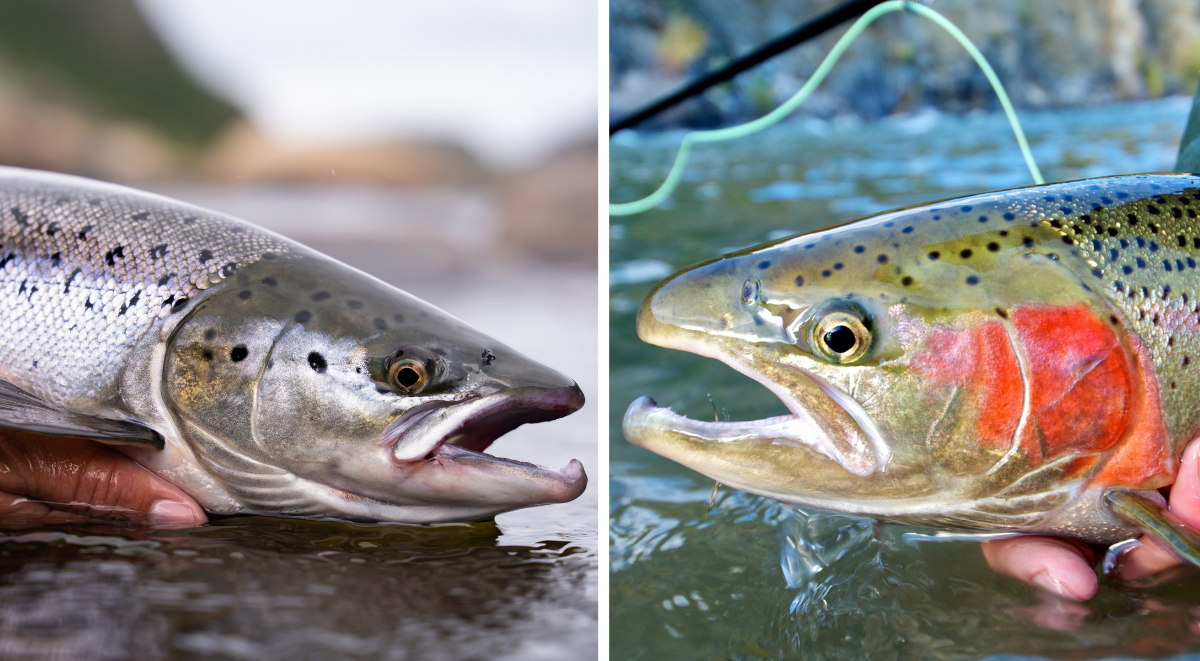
(463, 429)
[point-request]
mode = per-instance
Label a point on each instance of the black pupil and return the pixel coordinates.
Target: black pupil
(840, 339)
(407, 377)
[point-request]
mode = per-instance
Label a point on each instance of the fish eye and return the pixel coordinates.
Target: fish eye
(842, 335)
(408, 376)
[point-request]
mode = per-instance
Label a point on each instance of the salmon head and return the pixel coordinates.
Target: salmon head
(995, 362)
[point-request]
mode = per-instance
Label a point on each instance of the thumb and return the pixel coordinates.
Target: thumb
(48, 479)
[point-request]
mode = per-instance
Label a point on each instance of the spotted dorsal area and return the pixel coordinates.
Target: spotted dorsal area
(87, 268)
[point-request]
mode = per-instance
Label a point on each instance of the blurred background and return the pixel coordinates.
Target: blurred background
(448, 148)
(1049, 55)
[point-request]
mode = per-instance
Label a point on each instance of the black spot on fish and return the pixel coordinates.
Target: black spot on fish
(1098, 273)
(210, 334)
(1131, 219)
(245, 294)
(112, 255)
(934, 255)
(317, 362)
(906, 280)
(398, 318)
(837, 267)
(179, 304)
(972, 280)
(303, 316)
(137, 295)
(1008, 215)
(167, 301)
(320, 296)
(55, 259)
(1177, 212)
(88, 305)
(1068, 240)
(1124, 244)
(763, 264)
(1056, 224)
(380, 323)
(205, 255)
(1154, 246)
(1120, 286)
(270, 282)
(799, 281)
(83, 232)
(1113, 254)
(993, 246)
(882, 259)
(70, 278)
(1122, 195)
(1066, 210)
(966, 209)
(859, 249)
(22, 289)
(21, 217)
(1127, 269)
(1002, 312)
(965, 253)
(52, 229)
(123, 309)
(4, 262)
(158, 251)
(1140, 241)
(488, 357)
(1167, 264)
(239, 353)
(1153, 209)
(907, 230)
(1028, 242)
(227, 270)
(354, 305)
(206, 354)
(826, 273)
(1112, 231)
(32, 291)
(1114, 320)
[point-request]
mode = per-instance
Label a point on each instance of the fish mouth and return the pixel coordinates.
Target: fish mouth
(455, 435)
(823, 419)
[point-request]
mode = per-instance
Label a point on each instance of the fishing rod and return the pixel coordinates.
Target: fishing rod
(784, 42)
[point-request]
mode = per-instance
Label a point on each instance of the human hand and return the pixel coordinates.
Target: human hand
(47, 480)
(1064, 567)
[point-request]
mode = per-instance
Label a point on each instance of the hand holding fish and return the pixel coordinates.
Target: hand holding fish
(1064, 567)
(46, 481)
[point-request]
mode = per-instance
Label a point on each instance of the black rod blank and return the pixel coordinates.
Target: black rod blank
(800, 34)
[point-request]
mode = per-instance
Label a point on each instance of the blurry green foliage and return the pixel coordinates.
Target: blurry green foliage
(102, 55)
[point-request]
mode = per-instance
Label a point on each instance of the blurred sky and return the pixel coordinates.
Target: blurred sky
(511, 81)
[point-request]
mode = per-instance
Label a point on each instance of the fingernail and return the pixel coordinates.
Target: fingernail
(170, 511)
(1054, 586)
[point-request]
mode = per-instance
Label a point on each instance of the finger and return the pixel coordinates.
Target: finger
(84, 478)
(1153, 556)
(1059, 566)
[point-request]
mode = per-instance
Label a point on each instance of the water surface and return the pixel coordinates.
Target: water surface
(756, 580)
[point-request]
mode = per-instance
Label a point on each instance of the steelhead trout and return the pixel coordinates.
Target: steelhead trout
(1023, 361)
(252, 372)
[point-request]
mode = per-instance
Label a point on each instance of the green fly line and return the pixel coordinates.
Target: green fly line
(719, 135)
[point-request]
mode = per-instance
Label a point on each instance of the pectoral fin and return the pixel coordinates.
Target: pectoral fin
(21, 410)
(1182, 540)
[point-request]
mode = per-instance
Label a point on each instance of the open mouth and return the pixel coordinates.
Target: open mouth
(459, 432)
(823, 418)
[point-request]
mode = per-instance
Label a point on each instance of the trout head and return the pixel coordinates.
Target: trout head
(305, 387)
(947, 367)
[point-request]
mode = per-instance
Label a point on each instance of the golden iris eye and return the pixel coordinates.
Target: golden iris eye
(408, 376)
(841, 337)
